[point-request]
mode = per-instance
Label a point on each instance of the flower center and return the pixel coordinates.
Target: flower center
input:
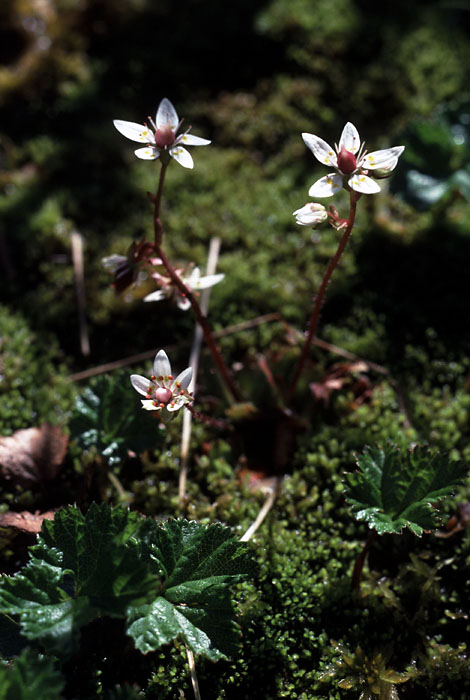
(346, 161)
(164, 136)
(163, 395)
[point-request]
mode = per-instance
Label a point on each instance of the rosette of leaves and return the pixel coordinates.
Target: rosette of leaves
(106, 418)
(394, 488)
(167, 581)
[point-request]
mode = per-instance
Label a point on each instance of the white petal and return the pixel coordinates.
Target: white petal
(161, 364)
(176, 404)
(320, 149)
(133, 131)
(182, 156)
(155, 296)
(350, 138)
(193, 278)
(140, 384)
(149, 405)
(208, 281)
(364, 184)
(183, 303)
(166, 115)
(191, 140)
(387, 158)
(148, 153)
(184, 378)
(112, 262)
(326, 186)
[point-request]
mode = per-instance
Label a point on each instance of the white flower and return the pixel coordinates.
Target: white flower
(161, 390)
(312, 214)
(351, 163)
(194, 282)
(161, 136)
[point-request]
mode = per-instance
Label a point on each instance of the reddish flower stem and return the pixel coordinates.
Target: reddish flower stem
(359, 563)
(178, 282)
(319, 299)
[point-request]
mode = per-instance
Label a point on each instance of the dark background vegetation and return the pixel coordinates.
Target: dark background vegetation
(251, 76)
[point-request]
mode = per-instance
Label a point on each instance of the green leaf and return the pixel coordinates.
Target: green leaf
(82, 567)
(107, 418)
(198, 564)
(395, 489)
(31, 677)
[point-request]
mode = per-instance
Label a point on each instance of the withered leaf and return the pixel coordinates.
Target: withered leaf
(32, 455)
(25, 521)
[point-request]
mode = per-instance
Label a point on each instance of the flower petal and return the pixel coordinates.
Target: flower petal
(387, 158)
(134, 131)
(191, 140)
(148, 153)
(183, 303)
(326, 186)
(182, 156)
(166, 115)
(364, 184)
(208, 281)
(161, 364)
(320, 149)
(141, 384)
(184, 379)
(150, 405)
(176, 404)
(112, 262)
(155, 296)
(350, 138)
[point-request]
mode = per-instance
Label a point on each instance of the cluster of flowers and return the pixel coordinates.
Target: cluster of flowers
(350, 164)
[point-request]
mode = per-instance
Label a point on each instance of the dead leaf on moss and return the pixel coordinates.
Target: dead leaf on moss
(33, 455)
(25, 521)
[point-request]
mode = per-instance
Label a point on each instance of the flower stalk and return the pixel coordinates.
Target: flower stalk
(319, 299)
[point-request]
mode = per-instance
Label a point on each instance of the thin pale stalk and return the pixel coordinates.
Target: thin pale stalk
(194, 363)
(192, 670)
(268, 504)
(319, 299)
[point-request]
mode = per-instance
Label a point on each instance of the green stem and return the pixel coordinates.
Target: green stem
(353, 198)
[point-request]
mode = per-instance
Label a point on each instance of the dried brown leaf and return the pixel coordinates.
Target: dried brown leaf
(33, 455)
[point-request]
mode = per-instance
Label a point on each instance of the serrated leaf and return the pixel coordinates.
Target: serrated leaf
(198, 563)
(82, 566)
(31, 677)
(395, 489)
(106, 418)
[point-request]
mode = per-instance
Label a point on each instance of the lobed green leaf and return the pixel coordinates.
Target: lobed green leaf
(394, 489)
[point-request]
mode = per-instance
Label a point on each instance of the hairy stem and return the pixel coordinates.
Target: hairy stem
(359, 563)
(319, 299)
(178, 282)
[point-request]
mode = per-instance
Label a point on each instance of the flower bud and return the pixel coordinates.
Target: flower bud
(312, 214)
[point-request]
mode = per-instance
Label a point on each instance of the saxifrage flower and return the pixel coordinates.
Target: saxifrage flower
(161, 136)
(161, 391)
(194, 282)
(351, 163)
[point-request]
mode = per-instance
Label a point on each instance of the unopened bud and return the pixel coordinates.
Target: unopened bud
(312, 214)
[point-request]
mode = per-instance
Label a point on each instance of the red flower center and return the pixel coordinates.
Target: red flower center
(164, 136)
(163, 395)
(346, 161)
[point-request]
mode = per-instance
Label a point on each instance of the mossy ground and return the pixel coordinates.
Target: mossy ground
(399, 299)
